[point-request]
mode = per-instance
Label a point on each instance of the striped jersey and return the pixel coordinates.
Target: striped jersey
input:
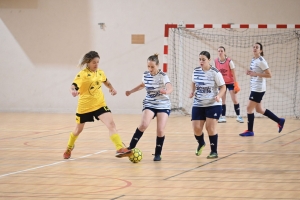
(258, 65)
(207, 85)
(154, 99)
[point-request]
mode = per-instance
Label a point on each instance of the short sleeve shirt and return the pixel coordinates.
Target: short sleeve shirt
(207, 85)
(154, 99)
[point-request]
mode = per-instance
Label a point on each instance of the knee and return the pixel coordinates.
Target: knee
(111, 125)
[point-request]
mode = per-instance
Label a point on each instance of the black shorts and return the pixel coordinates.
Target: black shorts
(256, 96)
(155, 111)
(230, 86)
(89, 117)
(201, 113)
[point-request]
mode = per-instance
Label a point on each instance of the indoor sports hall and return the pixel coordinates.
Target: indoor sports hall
(43, 42)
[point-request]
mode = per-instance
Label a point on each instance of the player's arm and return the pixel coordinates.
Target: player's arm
(167, 90)
(266, 74)
(193, 88)
(221, 84)
(236, 88)
(137, 88)
(110, 87)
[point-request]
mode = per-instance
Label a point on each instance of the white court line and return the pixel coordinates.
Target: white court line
(56, 163)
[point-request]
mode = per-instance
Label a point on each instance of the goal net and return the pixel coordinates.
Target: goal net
(183, 43)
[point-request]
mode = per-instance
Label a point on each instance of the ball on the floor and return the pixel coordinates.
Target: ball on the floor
(136, 156)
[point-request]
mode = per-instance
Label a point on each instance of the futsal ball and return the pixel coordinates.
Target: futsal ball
(136, 156)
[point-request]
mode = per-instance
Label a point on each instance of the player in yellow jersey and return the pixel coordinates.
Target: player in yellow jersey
(91, 103)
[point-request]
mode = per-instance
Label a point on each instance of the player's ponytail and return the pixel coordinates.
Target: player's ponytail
(154, 58)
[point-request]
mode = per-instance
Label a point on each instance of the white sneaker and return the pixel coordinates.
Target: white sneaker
(239, 119)
(222, 119)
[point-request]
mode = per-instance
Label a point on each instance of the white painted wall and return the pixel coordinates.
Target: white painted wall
(41, 42)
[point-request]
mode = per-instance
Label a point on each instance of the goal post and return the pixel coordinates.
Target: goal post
(281, 46)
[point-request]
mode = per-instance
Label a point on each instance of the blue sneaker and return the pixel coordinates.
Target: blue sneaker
(247, 133)
(280, 124)
(157, 158)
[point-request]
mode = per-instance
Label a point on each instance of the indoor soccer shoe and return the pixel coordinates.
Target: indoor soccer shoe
(67, 153)
(239, 119)
(199, 149)
(123, 152)
(157, 158)
(281, 124)
(247, 133)
(212, 155)
(222, 119)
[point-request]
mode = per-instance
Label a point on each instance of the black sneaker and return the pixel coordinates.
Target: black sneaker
(157, 158)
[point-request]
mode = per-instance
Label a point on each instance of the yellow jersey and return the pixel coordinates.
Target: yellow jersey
(89, 83)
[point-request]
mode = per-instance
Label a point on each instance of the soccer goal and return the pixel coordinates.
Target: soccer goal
(184, 42)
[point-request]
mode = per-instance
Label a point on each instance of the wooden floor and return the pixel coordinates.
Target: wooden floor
(266, 166)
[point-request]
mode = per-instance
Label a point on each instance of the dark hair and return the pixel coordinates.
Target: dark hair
(261, 48)
(154, 58)
(205, 53)
(222, 47)
(88, 57)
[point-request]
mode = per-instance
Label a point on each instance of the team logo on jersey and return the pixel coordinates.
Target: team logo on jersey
(94, 87)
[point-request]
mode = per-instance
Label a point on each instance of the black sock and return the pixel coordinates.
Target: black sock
(159, 145)
(250, 122)
(200, 139)
(213, 143)
(271, 115)
(237, 109)
(135, 138)
(224, 110)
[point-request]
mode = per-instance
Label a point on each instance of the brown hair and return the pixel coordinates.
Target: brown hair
(88, 57)
(154, 58)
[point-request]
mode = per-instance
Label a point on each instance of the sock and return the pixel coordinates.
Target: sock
(250, 122)
(224, 110)
(72, 139)
(116, 139)
(237, 109)
(271, 115)
(200, 139)
(159, 145)
(213, 143)
(135, 138)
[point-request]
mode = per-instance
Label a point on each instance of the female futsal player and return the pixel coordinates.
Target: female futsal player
(259, 71)
(226, 66)
(208, 87)
(156, 104)
(91, 103)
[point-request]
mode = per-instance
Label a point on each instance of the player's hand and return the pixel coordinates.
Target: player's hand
(217, 98)
(163, 91)
(191, 95)
(113, 92)
(236, 87)
(127, 93)
(251, 73)
(74, 93)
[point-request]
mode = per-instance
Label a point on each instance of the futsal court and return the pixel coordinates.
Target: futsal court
(266, 166)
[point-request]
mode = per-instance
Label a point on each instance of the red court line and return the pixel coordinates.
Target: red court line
(290, 142)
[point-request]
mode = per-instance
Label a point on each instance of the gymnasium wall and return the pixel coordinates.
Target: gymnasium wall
(42, 41)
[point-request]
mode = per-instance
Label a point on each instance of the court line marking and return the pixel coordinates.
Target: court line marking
(281, 135)
(202, 165)
(56, 163)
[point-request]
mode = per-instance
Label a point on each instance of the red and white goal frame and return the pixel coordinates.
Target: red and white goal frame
(192, 26)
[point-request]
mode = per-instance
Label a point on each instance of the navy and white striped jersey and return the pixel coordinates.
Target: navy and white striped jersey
(154, 99)
(207, 85)
(258, 65)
